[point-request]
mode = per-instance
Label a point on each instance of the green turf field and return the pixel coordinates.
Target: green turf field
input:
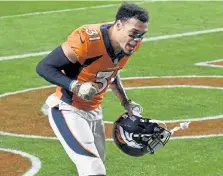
(171, 57)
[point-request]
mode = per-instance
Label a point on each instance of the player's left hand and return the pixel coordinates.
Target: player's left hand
(133, 108)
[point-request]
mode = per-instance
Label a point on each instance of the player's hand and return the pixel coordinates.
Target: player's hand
(133, 108)
(84, 90)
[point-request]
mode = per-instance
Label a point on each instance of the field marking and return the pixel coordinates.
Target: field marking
(196, 137)
(24, 55)
(93, 7)
(149, 39)
(185, 34)
(25, 90)
(172, 86)
(27, 136)
(187, 137)
(185, 120)
(110, 122)
(132, 78)
(183, 76)
(59, 11)
(128, 88)
(64, 10)
(36, 163)
(210, 63)
(108, 139)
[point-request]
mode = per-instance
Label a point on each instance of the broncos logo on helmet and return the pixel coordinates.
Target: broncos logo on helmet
(137, 136)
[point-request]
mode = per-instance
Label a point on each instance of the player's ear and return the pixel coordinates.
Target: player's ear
(119, 25)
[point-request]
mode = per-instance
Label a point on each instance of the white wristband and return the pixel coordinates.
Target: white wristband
(72, 85)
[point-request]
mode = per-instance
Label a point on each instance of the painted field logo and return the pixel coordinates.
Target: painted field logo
(24, 116)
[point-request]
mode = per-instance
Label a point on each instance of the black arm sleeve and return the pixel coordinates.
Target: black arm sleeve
(50, 68)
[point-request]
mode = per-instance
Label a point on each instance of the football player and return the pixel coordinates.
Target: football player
(83, 68)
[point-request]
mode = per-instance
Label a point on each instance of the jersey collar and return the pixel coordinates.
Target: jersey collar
(107, 43)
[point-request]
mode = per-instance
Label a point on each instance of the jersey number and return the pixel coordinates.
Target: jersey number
(92, 32)
(103, 78)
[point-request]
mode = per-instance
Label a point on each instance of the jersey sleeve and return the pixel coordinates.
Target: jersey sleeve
(78, 44)
(86, 42)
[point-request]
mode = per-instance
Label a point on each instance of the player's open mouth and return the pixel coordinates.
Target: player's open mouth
(132, 47)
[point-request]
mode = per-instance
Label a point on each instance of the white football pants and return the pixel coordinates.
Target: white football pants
(82, 135)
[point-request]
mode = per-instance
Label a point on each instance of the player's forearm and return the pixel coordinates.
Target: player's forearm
(50, 68)
(119, 91)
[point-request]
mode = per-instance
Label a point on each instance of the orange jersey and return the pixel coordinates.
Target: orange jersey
(96, 63)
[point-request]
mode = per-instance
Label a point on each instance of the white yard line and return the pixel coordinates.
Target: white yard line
(96, 7)
(210, 63)
(130, 88)
(36, 163)
(135, 78)
(127, 88)
(25, 90)
(173, 86)
(196, 137)
(150, 39)
(164, 37)
(26, 136)
(171, 77)
(65, 10)
(188, 137)
(58, 11)
(24, 55)
(91, 7)
(185, 120)
(54, 138)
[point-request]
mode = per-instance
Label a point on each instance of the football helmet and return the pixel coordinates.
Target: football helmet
(137, 136)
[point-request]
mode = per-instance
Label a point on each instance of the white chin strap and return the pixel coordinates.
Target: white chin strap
(182, 126)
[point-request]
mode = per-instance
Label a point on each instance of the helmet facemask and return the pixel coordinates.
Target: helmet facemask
(154, 137)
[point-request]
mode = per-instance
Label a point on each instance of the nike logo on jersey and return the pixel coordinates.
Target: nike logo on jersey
(91, 60)
(82, 41)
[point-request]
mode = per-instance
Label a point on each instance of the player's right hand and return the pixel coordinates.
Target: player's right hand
(84, 90)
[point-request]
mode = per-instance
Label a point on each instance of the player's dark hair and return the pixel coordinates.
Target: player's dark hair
(127, 11)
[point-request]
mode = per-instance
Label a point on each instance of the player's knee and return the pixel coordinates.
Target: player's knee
(97, 168)
(92, 167)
